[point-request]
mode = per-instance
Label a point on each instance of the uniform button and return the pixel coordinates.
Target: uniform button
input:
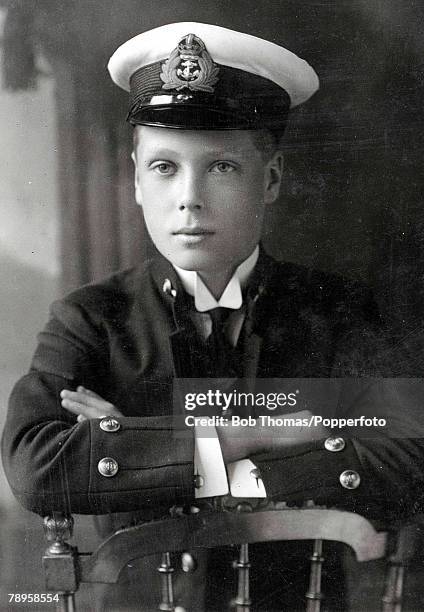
(334, 445)
(110, 424)
(199, 481)
(108, 467)
(349, 479)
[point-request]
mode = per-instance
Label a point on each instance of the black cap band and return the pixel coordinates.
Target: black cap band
(240, 100)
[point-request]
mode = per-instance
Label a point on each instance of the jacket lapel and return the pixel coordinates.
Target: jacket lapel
(277, 335)
(184, 342)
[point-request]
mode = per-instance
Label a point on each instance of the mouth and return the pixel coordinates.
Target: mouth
(192, 236)
(193, 231)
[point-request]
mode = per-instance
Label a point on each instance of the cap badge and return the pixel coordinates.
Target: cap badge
(190, 66)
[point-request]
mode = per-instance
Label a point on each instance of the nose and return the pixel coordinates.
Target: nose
(190, 192)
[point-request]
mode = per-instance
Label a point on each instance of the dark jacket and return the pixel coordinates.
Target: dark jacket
(126, 339)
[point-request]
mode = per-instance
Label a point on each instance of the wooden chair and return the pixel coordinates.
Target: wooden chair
(218, 525)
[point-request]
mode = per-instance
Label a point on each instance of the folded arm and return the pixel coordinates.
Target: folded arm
(52, 460)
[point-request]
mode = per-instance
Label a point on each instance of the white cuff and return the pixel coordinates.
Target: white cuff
(245, 479)
(210, 473)
(209, 467)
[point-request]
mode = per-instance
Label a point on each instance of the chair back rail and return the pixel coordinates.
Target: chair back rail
(211, 529)
(65, 567)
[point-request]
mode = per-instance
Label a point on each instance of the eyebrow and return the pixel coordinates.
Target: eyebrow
(160, 153)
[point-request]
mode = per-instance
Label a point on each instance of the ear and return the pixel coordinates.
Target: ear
(273, 176)
(137, 188)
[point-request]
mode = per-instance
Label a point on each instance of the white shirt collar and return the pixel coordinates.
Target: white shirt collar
(231, 296)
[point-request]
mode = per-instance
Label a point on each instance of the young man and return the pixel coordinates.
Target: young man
(90, 427)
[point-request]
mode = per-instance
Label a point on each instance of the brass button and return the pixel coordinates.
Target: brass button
(199, 481)
(110, 424)
(349, 479)
(334, 445)
(108, 467)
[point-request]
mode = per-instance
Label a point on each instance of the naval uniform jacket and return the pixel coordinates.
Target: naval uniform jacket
(126, 339)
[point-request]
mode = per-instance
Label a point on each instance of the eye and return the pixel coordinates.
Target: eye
(223, 167)
(163, 167)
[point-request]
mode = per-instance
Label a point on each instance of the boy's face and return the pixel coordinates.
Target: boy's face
(203, 194)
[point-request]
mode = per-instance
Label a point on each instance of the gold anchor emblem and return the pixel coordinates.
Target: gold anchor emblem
(190, 66)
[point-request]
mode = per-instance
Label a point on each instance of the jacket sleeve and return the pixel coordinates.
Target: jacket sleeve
(390, 476)
(387, 463)
(52, 462)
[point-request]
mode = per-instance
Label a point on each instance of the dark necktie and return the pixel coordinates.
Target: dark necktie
(219, 347)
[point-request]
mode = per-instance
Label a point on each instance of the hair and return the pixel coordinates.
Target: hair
(267, 141)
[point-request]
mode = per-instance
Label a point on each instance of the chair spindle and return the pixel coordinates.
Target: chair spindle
(314, 594)
(242, 601)
(393, 591)
(167, 590)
